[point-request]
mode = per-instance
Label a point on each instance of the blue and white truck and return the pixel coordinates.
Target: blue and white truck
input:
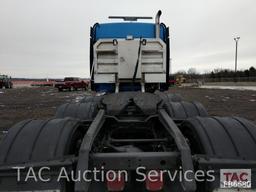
(134, 137)
(129, 56)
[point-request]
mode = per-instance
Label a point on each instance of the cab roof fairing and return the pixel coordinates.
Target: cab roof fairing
(122, 30)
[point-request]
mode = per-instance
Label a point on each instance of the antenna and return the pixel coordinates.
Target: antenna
(129, 18)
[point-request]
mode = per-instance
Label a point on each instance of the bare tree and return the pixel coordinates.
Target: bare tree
(192, 71)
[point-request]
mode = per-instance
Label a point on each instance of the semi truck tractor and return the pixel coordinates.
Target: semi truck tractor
(134, 136)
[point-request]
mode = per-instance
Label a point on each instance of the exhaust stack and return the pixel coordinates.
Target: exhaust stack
(157, 21)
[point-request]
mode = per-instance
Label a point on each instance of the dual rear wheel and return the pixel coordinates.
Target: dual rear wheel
(43, 142)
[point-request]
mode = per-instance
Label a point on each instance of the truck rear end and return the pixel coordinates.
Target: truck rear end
(132, 140)
(129, 56)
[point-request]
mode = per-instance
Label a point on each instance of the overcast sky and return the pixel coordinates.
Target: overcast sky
(50, 38)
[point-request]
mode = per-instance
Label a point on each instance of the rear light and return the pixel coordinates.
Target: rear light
(154, 182)
(117, 183)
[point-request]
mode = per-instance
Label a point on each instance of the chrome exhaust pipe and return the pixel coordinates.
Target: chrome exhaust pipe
(157, 22)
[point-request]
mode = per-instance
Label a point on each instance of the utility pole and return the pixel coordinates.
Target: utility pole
(236, 40)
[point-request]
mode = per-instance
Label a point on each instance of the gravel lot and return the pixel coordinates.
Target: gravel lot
(41, 103)
(32, 103)
(223, 102)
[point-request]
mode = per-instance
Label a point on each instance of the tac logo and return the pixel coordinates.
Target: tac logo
(235, 178)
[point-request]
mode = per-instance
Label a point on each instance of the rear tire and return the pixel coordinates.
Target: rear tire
(90, 98)
(174, 97)
(170, 97)
(184, 110)
(226, 137)
(82, 111)
(37, 142)
(71, 89)
(6, 86)
(220, 141)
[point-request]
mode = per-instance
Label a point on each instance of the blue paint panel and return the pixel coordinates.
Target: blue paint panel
(121, 30)
(110, 87)
(104, 87)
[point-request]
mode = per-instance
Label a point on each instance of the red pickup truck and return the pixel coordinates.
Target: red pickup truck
(71, 84)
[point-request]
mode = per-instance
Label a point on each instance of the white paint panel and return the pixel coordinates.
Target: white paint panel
(234, 190)
(107, 68)
(155, 78)
(104, 78)
(121, 59)
(128, 55)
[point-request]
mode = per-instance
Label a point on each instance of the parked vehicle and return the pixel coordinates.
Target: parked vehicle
(5, 82)
(71, 84)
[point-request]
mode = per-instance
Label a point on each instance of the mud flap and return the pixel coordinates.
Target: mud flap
(222, 143)
(33, 144)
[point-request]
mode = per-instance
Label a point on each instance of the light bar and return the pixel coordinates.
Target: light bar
(129, 18)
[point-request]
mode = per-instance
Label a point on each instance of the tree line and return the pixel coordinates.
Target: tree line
(192, 73)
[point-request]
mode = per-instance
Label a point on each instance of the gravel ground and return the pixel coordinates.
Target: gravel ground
(223, 102)
(41, 103)
(32, 103)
